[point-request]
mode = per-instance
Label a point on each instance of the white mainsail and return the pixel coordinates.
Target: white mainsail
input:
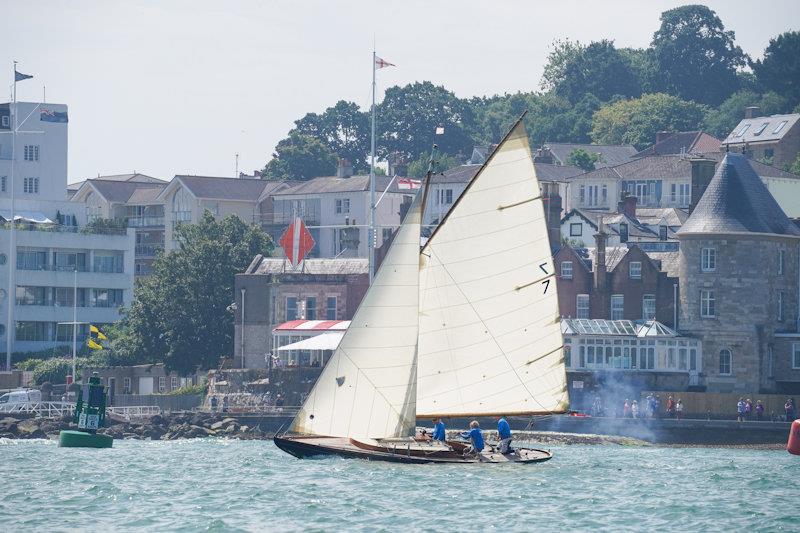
(368, 387)
(490, 335)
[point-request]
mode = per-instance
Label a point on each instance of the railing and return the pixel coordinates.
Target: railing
(145, 221)
(149, 250)
(57, 228)
(135, 411)
(40, 409)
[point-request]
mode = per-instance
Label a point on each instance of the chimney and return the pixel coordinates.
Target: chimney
(752, 111)
(661, 135)
(344, 169)
(628, 206)
(702, 172)
(600, 258)
(552, 209)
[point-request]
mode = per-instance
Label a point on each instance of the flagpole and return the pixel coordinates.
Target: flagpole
(371, 230)
(11, 294)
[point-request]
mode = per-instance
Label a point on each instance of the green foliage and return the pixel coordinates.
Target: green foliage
(408, 117)
(200, 388)
(562, 52)
(419, 167)
(179, 314)
(721, 121)
(695, 57)
(637, 121)
(106, 226)
(583, 159)
(794, 167)
(300, 157)
(779, 70)
(600, 70)
(55, 369)
(343, 128)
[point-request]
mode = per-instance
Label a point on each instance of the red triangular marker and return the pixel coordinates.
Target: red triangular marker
(296, 241)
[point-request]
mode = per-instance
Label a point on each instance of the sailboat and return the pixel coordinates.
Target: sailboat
(466, 326)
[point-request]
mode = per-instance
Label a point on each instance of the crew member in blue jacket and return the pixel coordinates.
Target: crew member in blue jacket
(438, 431)
(504, 432)
(475, 436)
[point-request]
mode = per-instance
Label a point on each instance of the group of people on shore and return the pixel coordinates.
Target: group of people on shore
(651, 407)
(745, 410)
(475, 436)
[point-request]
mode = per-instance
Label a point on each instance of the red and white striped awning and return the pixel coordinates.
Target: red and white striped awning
(300, 326)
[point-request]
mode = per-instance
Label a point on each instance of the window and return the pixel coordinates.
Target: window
(576, 229)
(330, 308)
(780, 126)
(642, 193)
(69, 261)
(311, 308)
(742, 131)
(107, 298)
(684, 194)
(126, 385)
(662, 233)
(582, 194)
(707, 304)
(796, 355)
(387, 234)
(31, 295)
(568, 356)
(761, 128)
(162, 383)
(673, 193)
(593, 190)
(649, 307)
(605, 195)
(725, 362)
(33, 331)
(781, 262)
(6, 121)
(566, 269)
(3, 183)
(31, 152)
(769, 153)
(708, 259)
(30, 186)
(108, 262)
(173, 383)
(31, 260)
(635, 270)
(617, 306)
(623, 232)
(444, 196)
(63, 296)
(342, 206)
(780, 306)
(582, 306)
(291, 308)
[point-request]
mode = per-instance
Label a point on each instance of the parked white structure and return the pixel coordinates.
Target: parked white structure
(52, 239)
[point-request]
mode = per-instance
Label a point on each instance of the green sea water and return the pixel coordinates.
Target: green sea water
(226, 485)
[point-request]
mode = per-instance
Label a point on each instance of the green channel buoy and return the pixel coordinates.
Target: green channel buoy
(90, 414)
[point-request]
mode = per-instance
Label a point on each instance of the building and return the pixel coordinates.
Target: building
(774, 139)
(610, 154)
(336, 211)
(306, 342)
(666, 181)
(274, 293)
(681, 143)
(739, 268)
(55, 248)
(130, 199)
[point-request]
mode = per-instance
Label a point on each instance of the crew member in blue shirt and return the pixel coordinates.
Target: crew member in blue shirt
(504, 432)
(476, 438)
(438, 431)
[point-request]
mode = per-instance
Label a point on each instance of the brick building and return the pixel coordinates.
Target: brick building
(274, 293)
(739, 259)
(774, 139)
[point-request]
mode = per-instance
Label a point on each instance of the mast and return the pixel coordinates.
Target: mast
(371, 230)
(12, 245)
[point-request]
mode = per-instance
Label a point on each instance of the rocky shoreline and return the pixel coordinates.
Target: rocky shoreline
(158, 427)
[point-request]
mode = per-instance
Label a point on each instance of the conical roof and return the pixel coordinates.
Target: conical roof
(737, 201)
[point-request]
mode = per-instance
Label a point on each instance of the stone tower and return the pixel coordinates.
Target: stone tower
(739, 282)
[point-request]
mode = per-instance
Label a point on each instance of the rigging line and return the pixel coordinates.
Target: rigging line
(501, 207)
(525, 286)
(490, 334)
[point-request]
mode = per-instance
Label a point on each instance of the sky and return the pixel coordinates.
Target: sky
(169, 87)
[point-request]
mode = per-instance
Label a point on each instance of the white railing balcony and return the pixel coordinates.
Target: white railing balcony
(145, 222)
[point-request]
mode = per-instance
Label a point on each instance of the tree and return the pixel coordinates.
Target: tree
(419, 167)
(779, 70)
(695, 57)
(600, 70)
(408, 117)
(300, 157)
(794, 167)
(343, 128)
(721, 121)
(562, 52)
(582, 159)
(638, 120)
(180, 315)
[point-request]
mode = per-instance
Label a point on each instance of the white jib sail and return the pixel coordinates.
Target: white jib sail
(490, 337)
(368, 387)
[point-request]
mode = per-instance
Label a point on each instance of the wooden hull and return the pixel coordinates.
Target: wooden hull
(409, 452)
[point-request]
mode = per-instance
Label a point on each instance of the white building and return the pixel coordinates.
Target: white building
(52, 239)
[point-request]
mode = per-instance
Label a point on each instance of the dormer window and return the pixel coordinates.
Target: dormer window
(623, 232)
(761, 129)
(743, 130)
(780, 126)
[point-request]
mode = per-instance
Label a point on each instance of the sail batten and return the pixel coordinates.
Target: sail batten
(490, 341)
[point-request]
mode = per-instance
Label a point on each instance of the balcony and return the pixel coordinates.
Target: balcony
(146, 222)
(149, 250)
